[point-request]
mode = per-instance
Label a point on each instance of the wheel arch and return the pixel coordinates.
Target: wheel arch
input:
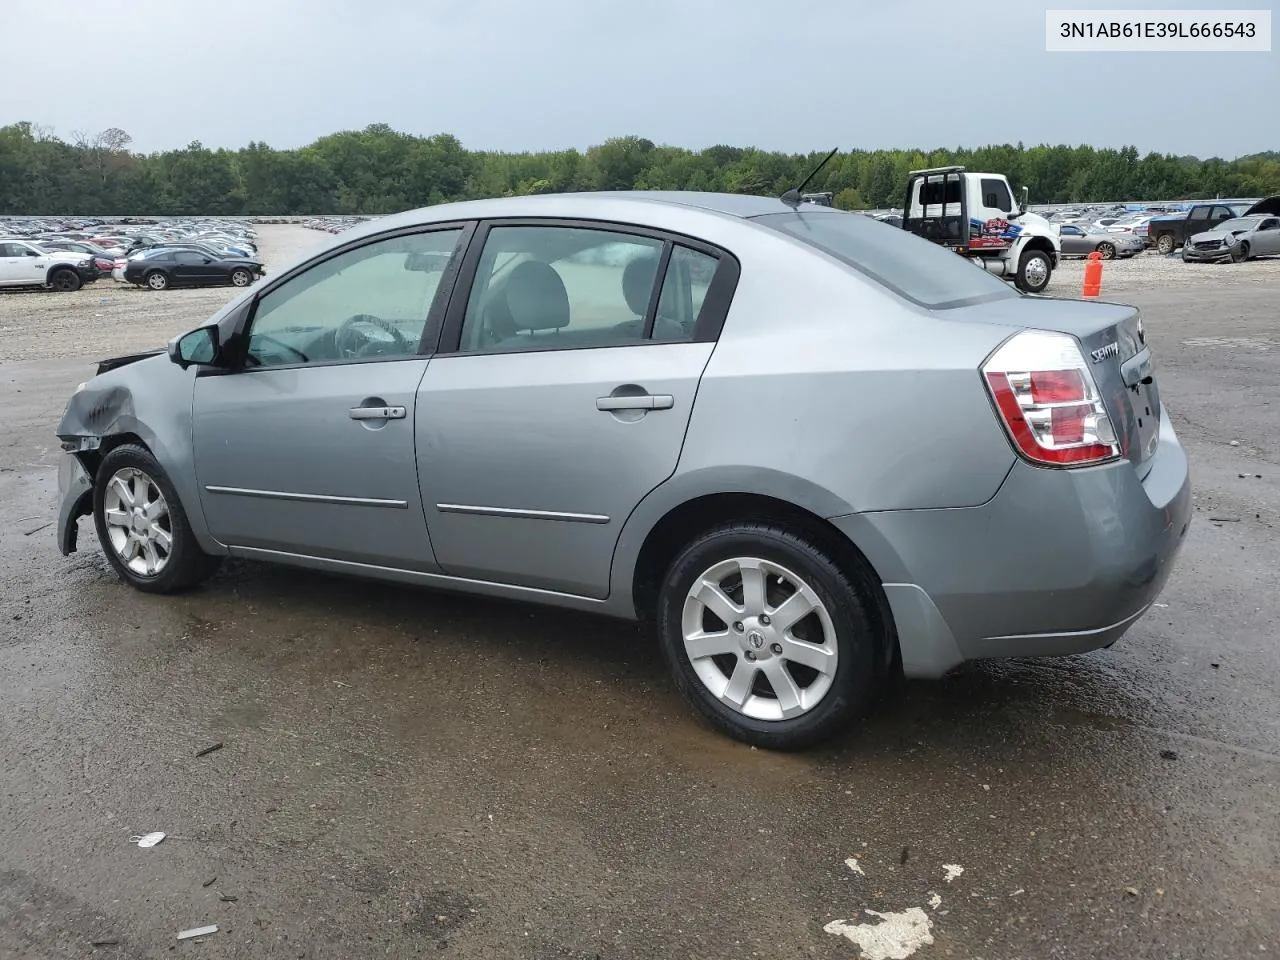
(152, 410)
(55, 267)
(648, 547)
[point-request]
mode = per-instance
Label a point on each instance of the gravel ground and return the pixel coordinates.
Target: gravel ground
(107, 318)
(1152, 270)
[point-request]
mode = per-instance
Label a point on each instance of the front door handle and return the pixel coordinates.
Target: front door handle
(646, 401)
(376, 413)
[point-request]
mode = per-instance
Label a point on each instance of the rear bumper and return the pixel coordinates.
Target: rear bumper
(1058, 562)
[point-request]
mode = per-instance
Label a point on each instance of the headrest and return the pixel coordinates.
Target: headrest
(536, 298)
(637, 283)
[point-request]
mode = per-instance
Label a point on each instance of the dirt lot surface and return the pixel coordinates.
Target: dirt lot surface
(407, 773)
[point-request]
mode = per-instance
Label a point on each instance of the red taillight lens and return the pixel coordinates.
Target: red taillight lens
(1057, 386)
(1048, 401)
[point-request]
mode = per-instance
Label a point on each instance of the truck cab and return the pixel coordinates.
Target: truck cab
(976, 215)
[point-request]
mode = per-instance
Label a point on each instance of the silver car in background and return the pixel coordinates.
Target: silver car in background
(1080, 240)
(1235, 240)
(813, 449)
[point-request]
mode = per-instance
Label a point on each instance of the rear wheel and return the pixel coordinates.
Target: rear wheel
(156, 280)
(241, 278)
(65, 281)
(1165, 243)
(1034, 270)
(767, 637)
(142, 526)
(1108, 250)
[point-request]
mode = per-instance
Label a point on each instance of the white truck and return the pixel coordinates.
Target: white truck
(975, 215)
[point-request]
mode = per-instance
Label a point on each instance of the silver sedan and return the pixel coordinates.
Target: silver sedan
(814, 450)
(1236, 240)
(1080, 240)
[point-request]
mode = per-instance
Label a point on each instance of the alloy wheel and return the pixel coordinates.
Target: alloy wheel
(138, 523)
(759, 639)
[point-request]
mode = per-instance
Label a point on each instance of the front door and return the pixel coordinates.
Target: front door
(308, 447)
(12, 261)
(560, 398)
(20, 264)
(1266, 239)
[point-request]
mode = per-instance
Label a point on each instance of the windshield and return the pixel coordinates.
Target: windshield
(922, 272)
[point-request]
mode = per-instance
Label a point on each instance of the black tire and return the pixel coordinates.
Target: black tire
(186, 564)
(1108, 250)
(1031, 284)
(241, 278)
(1240, 252)
(65, 280)
(1166, 244)
(860, 657)
(156, 280)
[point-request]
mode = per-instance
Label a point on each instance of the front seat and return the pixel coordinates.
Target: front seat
(533, 298)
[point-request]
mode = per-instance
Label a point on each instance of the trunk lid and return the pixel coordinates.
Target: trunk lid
(1115, 351)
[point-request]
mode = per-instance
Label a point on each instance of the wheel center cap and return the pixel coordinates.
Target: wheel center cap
(756, 639)
(139, 523)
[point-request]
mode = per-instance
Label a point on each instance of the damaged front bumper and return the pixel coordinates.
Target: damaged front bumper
(75, 500)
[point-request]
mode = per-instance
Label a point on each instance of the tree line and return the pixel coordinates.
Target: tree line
(379, 170)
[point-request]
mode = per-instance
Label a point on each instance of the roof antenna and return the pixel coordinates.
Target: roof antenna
(793, 196)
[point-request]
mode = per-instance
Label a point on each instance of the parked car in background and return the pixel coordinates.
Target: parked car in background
(164, 268)
(1237, 240)
(1080, 240)
(1168, 233)
(465, 397)
(1130, 224)
(24, 263)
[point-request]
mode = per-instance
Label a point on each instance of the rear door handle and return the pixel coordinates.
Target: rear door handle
(659, 401)
(376, 413)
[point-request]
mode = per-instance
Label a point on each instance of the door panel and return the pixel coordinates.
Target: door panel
(530, 463)
(291, 459)
(1267, 242)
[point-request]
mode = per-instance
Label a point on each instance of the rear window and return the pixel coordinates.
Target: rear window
(922, 272)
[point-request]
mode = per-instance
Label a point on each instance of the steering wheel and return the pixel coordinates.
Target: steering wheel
(347, 332)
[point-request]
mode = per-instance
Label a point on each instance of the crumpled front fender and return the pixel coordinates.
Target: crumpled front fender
(75, 500)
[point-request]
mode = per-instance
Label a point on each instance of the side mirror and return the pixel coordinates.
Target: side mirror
(197, 348)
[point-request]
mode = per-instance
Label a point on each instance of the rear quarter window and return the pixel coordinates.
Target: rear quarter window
(924, 273)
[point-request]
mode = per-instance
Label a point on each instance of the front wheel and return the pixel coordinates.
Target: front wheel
(1240, 252)
(767, 637)
(1108, 250)
(65, 281)
(142, 526)
(1034, 270)
(241, 278)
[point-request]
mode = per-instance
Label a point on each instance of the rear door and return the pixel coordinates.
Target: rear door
(1073, 239)
(560, 396)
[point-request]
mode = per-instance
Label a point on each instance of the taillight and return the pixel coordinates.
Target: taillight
(1048, 401)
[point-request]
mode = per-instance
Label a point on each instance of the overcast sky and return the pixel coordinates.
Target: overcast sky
(543, 74)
